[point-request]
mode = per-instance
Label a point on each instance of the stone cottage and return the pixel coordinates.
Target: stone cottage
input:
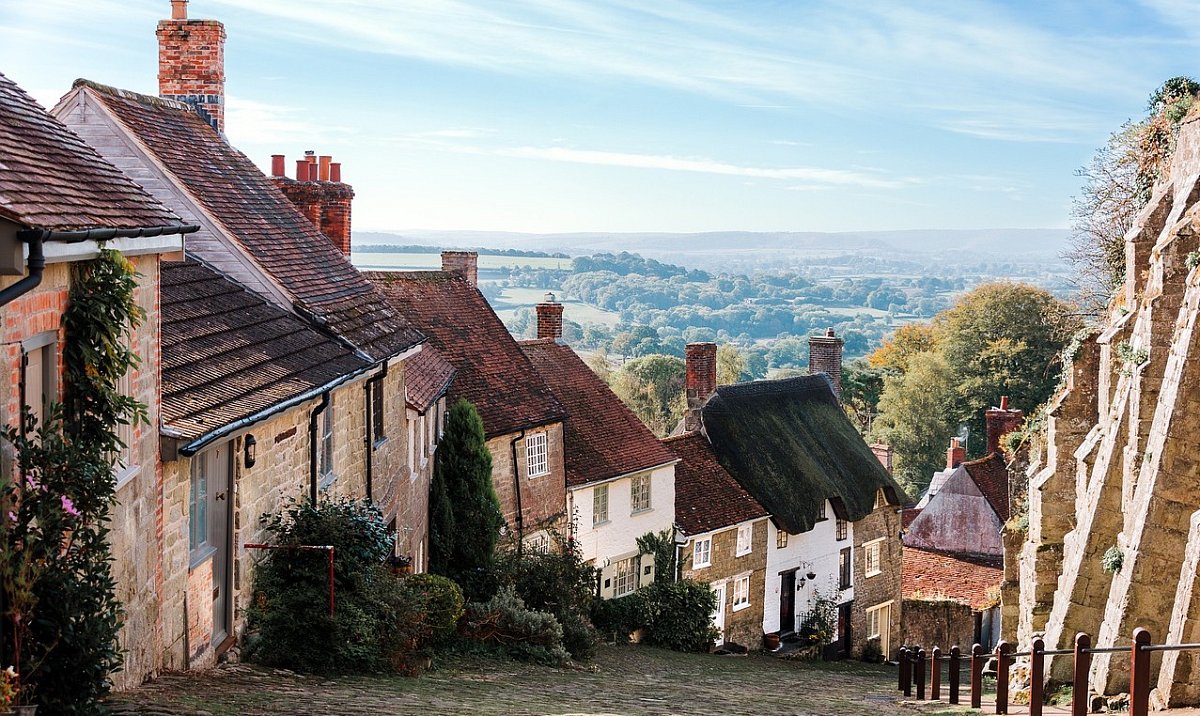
(620, 479)
(60, 202)
(790, 446)
(284, 370)
(724, 534)
(522, 418)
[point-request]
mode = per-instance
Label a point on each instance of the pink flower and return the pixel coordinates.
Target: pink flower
(69, 506)
(12, 516)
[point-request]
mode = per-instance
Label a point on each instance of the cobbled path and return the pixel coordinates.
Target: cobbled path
(621, 681)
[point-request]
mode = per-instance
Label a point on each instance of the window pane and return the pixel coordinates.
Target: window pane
(536, 459)
(600, 504)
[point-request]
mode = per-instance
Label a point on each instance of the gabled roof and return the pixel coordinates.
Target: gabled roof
(991, 475)
(492, 371)
(261, 219)
(603, 439)
(707, 497)
(933, 575)
(789, 443)
(427, 377)
(228, 354)
(50, 179)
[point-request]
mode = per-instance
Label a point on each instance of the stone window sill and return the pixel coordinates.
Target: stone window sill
(126, 474)
(326, 481)
(740, 607)
(601, 523)
(642, 511)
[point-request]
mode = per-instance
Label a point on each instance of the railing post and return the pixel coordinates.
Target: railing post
(1003, 649)
(905, 671)
(976, 676)
(1139, 674)
(919, 675)
(935, 674)
(1079, 682)
(1037, 671)
(955, 666)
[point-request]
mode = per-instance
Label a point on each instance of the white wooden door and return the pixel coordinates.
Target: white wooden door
(719, 614)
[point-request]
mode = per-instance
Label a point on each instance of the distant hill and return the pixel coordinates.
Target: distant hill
(704, 248)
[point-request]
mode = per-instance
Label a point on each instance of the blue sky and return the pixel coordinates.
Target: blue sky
(657, 115)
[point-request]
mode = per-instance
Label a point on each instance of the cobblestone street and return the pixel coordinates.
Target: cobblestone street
(622, 680)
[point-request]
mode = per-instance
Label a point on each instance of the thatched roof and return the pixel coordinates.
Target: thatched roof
(791, 446)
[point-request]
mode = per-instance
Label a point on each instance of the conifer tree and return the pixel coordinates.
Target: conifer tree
(464, 511)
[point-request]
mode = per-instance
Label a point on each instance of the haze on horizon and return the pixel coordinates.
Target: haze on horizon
(676, 115)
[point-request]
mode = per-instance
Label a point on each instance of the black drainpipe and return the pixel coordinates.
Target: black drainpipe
(36, 264)
(377, 381)
(312, 446)
(517, 485)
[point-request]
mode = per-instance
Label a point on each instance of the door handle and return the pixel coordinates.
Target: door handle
(219, 496)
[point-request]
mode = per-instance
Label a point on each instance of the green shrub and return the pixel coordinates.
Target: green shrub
(432, 605)
(616, 619)
(524, 633)
(872, 653)
(1112, 560)
(679, 615)
(289, 618)
(558, 582)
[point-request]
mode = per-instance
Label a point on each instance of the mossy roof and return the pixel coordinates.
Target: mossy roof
(791, 446)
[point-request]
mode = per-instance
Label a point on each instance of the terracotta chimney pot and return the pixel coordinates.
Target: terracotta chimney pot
(179, 9)
(325, 160)
(335, 172)
(277, 165)
(301, 170)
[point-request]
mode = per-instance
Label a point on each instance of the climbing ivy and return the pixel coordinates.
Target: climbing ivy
(61, 497)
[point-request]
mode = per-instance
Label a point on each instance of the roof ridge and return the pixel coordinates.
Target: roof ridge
(131, 95)
(421, 274)
(680, 436)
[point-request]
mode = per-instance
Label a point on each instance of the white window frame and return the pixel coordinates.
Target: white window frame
(45, 347)
(873, 622)
(741, 592)
(325, 447)
(702, 553)
(880, 499)
(625, 577)
(871, 551)
(537, 455)
(538, 543)
(198, 545)
(639, 494)
(599, 500)
(745, 540)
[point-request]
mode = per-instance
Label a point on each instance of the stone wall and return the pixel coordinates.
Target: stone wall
(543, 499)
(744, 626)
(944, 623)
(882, 524)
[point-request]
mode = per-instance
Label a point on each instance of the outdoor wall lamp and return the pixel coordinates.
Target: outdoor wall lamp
(811, 574)
(251, 451)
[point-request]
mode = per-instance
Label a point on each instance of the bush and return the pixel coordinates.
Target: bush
(505, 621)
(558, 582)
(872, 653)
(289, 614)
(680, 615)
(428, 608)
(616, 619)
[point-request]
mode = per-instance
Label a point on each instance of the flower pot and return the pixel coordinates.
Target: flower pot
(771, 642)
(23, 710)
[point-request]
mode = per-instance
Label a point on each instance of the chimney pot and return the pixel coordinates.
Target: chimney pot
(325, 160)
(1004, 402)
(956, 454)
(462, 263)
(277, 165)
(310, 155)
(301, 170)
(179, 9)
(335, 172)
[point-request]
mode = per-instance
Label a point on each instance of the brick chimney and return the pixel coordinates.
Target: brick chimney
(1000, 422)
(883, 453)
(550, 319)
(319, 194)
(825, 356)
(191, 63)
(956, 454)
(700, 360)
(463, 263)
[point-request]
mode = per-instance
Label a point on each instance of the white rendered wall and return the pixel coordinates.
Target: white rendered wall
(816, 550)
(618, 536)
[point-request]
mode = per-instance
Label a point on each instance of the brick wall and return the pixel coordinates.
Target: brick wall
(744, 626)
(883, 523)
(326, 204)
(543, 498)
(191, 64)
(938, 623)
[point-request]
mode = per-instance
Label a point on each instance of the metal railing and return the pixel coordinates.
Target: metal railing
(913, 660)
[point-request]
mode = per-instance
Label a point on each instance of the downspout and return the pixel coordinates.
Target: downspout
(37, 265)
(312, 446)
(377, 381)
(517, 485)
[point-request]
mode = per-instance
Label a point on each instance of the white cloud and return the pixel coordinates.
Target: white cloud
(251, 122)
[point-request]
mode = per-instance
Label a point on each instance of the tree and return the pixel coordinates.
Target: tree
(914, 419)
(893, 354)
(862, 386)
(730, 365)
(652, 387)
(464, 511)
(1118, 182)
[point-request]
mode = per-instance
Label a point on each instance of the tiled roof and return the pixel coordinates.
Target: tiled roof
(228, 354)
(933, 575)
(50, 179)
(427, 376)
(991, 475)
(707, 497)
(493, 372)
(789, 443)
(603, 438)
(268, 226)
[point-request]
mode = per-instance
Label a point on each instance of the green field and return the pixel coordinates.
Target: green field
(418, 262)
(516, 298)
